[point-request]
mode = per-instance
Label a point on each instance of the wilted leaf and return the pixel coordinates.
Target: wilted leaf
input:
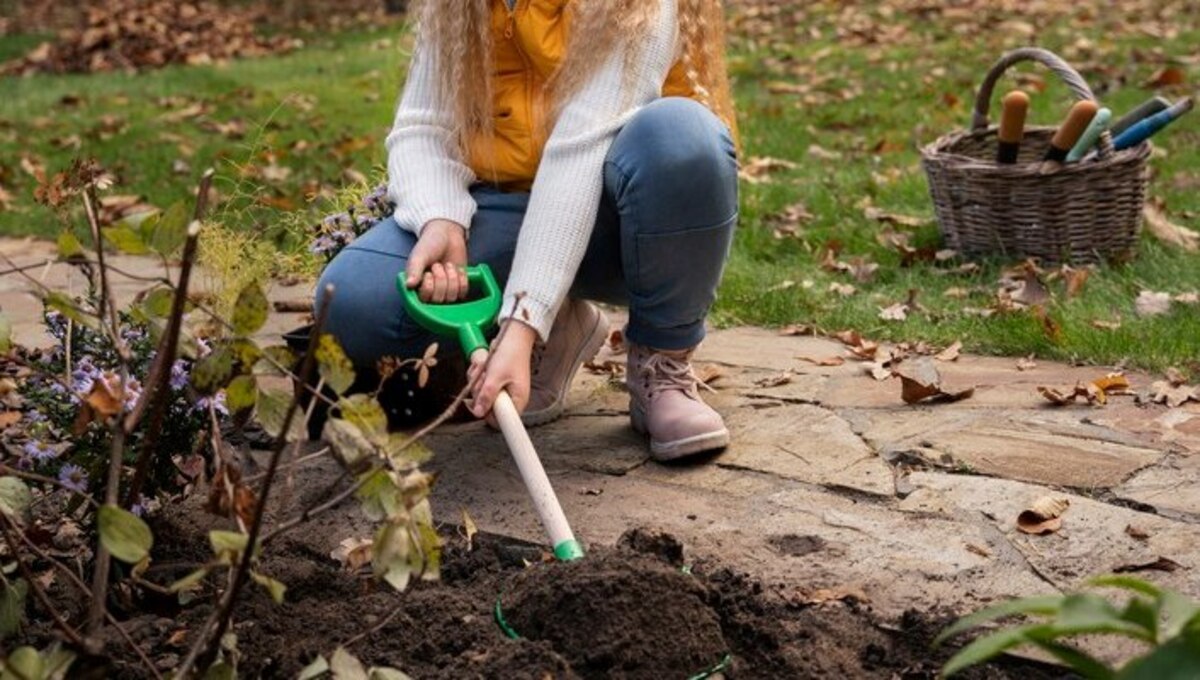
(951, 353)
(158, 302)
(349, 444)
(1166, 76)
(469, 528)
(365, 413)
(273, 587)
(1043, 516)
(353, 553)
(344, 666)
(103, 400)
(124, 534)
(250, 310)
(64, 305)
(314, 670)
(920, 381)
(824, 361)
(228, 546)
(190, 581)
(1173, 395)
(1162, 228)
(897, 312)
(334, 366)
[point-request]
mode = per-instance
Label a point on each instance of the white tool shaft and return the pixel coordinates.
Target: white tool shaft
(532, 472)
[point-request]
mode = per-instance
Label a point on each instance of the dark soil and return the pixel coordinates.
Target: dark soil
(623, 612)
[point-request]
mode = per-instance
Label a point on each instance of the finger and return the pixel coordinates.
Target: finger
(453, 291)
(464, 286)
(485, 399)
(439, 282)
(427, 287)
(415, 268)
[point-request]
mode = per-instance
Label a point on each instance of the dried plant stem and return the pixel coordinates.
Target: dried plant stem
(73, 636)
(42, 479)
(83, 588)
(154, 391)
(204, 650)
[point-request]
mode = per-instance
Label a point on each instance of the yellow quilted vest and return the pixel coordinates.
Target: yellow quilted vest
(530, 42)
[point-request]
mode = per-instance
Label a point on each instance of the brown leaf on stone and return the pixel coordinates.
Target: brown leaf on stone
(1163, 229)
(1043, 516)
(777, 380)
(1136, 532)
(920, 381)
(1174, 396)
(951, 353)
(708, 374)
(1112, 384)
(824, 361)
(1161, 564)
(1176, 377)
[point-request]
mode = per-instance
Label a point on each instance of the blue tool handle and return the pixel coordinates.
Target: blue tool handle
(1146, 128)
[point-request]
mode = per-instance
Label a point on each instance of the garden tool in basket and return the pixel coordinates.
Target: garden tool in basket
(469, 321)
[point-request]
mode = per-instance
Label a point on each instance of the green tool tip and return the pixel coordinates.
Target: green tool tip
(568, 551)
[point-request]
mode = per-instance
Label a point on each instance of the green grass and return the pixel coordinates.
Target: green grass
(337, 95)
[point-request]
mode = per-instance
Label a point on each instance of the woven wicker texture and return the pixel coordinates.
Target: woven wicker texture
(1080, 213)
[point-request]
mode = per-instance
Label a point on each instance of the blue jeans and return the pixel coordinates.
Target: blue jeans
(664, 230)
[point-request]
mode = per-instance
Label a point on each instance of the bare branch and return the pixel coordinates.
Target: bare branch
(72, 635)
(204, 649)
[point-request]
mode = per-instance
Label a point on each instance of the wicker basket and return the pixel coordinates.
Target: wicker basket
(1080, 213)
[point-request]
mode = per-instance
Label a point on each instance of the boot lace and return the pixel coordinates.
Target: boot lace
(661, 372)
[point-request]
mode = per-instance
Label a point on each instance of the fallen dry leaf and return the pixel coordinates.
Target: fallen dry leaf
(795, 330)
(824, 361)
(1166, 76)
(951, 353)
(777, 380)
(1160, 564)
(1075, 278)
(1043, 516)
(9, 418)
(1106, 325)
(708, 374)
(353, 553)
(759, 169)
(842, 594)
(842, 289)
(1174, 396)
(873, 213)
(896, 312)
(1163, 229)
(920, 381)
(1152, 303)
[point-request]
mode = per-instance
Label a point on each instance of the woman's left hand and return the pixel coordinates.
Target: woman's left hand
(507, 369)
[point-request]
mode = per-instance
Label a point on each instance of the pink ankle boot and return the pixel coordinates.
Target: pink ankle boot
(664, 402)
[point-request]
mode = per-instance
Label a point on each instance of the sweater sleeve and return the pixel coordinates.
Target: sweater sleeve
(427, 178)
(567, 190)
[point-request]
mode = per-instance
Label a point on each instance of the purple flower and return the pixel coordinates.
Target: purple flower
(39, 452)
(84, 376)
(56, 324)
(179, 375)
(218, 404)
(73, 477)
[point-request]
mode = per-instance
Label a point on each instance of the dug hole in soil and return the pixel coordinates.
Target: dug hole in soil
(629, 611)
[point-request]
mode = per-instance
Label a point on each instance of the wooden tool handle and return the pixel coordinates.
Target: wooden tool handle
(1012, 118)
(536, 482)
(1072, 128)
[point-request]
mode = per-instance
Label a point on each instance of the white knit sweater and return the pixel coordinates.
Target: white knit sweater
(428, 179)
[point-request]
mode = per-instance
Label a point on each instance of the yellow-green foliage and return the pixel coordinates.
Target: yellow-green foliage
(230, 260)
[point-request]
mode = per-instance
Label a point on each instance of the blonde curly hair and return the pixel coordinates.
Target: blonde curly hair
(458, 35)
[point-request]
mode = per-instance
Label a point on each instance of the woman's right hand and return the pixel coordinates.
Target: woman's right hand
(437, 263)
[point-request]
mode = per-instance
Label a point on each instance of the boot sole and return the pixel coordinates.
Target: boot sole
(665, 452)
(599, 334)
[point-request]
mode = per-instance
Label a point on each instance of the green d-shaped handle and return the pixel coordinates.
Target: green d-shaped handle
(468, 321)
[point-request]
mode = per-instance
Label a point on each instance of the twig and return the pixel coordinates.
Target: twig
(373, 629)
(72, 635)
(294, 464)
(83, 588)
(116, 456)
(14, 269)
(337, 500)
(158, 382)
(33, 477)
(202, 652)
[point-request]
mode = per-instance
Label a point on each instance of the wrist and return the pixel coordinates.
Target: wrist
(520, 333)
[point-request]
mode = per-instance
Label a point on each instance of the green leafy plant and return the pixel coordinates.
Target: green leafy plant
(1167, 622)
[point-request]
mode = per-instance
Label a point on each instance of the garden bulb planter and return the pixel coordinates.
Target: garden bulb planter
(469, 322)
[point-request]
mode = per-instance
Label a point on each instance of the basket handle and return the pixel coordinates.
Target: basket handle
(1074, 81)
